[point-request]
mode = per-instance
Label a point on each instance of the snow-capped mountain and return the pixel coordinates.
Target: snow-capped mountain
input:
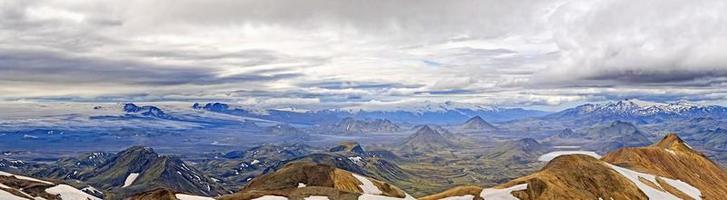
(639, 111)
(444, 113)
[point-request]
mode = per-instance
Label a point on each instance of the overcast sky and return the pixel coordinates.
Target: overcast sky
(338, 53)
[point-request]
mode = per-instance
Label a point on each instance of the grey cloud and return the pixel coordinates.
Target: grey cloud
(52, 68)
(426, 17)
(634, 44)
(357, 85)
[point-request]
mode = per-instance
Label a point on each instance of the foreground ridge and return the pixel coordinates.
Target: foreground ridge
(668, 169)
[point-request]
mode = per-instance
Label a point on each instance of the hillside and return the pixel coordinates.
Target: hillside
(138, 169)
(16, 187)
(306, 180)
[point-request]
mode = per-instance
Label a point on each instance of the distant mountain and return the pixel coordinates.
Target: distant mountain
(350, 125)
(303, 180)
(237, 168)
(425, 140)
(139, 169)
(445, 113)
(287, 131)
(669, 169)
(478, 124)
(714, 139)
(636, 111)
(520, 151)
(603, 138)
(351, 147)
(147, 111)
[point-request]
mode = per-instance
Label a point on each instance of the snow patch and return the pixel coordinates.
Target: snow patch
(684, 187)
(130, 179)
(25, 178)
(566, 147)
(367, 186)
(300, 185)
(91, 190)
(356, 159)
(465, 197)
(191, 197)
(316, 198)
(254, 162)
(502, 194)
(70, 193)
(9, 196)
(552, 155)
(378, 197)
(271, 197)
(654, 193)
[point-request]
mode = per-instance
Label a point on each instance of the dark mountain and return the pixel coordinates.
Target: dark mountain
(237, 168)
(147, 111)
(74, 168)
(215, 107)
(350, 125)
(425, 140)
(479, 124)
(348, 147)
(138, 169)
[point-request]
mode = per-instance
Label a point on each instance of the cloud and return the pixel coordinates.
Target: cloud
(57, 69)
(325, 53)
(622, 43)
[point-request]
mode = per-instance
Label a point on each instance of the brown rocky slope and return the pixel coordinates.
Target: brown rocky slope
(669, 169)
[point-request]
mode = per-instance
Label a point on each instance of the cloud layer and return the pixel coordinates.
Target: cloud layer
(324, 53)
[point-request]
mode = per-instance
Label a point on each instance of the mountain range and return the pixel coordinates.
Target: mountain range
(635, 111)
(431, 114)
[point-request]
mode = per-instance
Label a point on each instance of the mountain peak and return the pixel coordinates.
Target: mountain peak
(425, 139)
(477, 123)
(673, 142)
(476, 118)
(425, 129)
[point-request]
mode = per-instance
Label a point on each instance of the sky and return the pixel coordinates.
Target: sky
(363, 54)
